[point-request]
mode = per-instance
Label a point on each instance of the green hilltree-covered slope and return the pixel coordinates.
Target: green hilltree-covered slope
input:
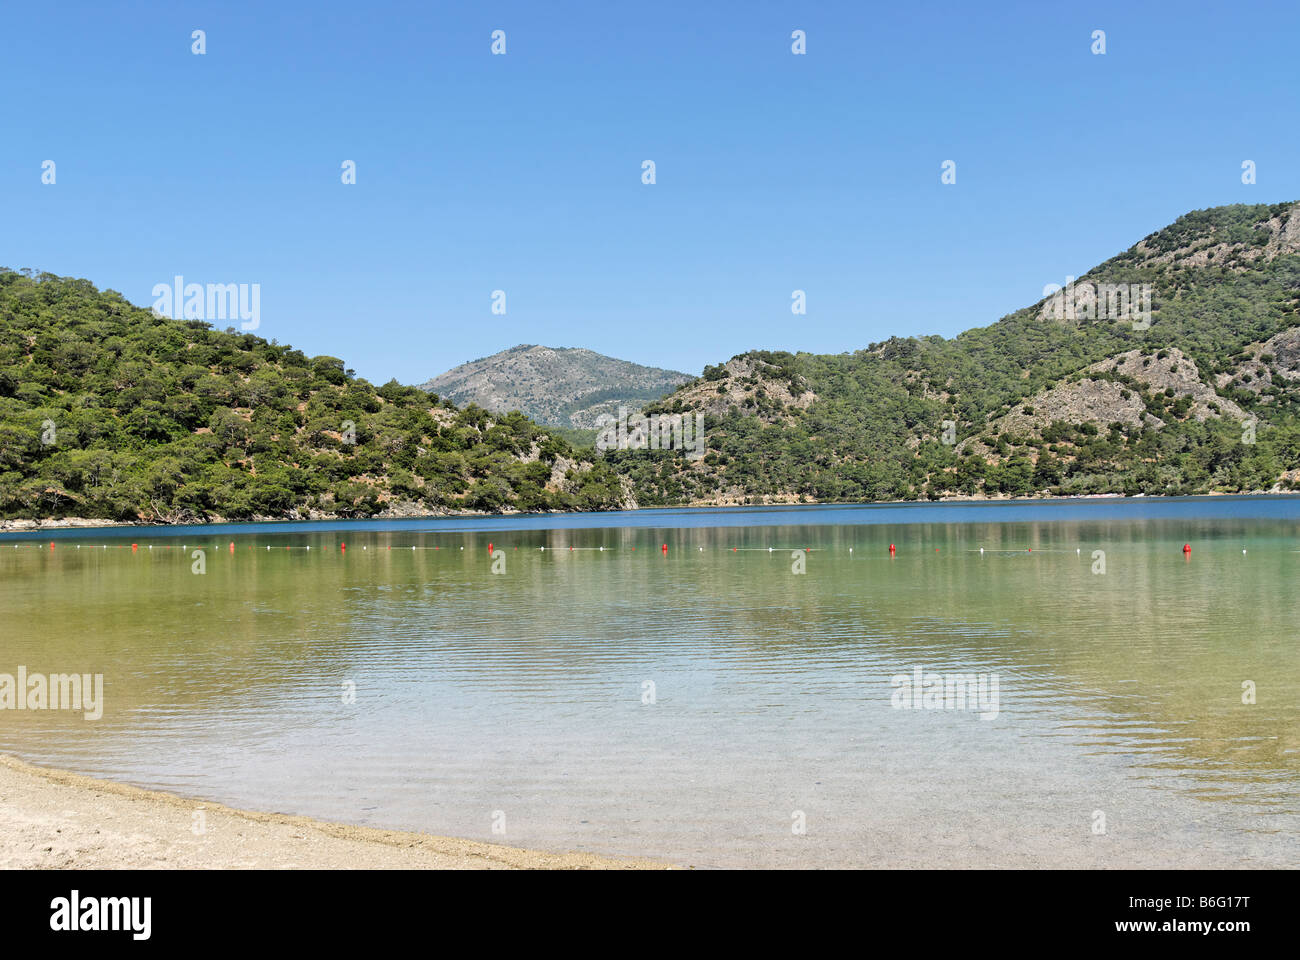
(1203, 400)
(109, 412)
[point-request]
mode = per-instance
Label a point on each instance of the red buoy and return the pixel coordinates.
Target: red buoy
(51, 544)
(891, 548)
(489, 548)
(232, 546)
(1187, 548)
(343, 548)
(134, 547)
(665, 548)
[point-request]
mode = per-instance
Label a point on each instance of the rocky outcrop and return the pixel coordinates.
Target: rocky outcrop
(748, 385)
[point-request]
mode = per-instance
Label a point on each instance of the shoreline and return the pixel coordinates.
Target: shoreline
(56, 819)
(76, 523)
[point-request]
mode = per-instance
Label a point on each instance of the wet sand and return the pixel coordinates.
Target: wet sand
(52, 819)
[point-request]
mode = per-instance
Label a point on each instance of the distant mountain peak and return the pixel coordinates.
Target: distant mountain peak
(557, 386)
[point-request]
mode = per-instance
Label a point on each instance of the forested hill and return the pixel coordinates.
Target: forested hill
(110, 412)
(1202, 400)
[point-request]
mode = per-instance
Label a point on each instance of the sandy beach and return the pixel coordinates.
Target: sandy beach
(52, 819)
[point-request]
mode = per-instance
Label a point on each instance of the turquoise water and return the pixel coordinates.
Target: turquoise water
(1280, 507)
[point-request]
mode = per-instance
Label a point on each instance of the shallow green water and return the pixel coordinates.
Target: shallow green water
(518, 698)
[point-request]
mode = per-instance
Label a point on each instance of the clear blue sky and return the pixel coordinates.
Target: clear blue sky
(523, 172)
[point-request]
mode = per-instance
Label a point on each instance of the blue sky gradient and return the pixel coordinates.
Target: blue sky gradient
(522, 172)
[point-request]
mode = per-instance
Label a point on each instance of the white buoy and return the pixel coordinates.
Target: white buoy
(850, 549)
(541, 548)
(981, 549)
(1243, 553)
(1077, 551)
(309, 546)
(602, 549)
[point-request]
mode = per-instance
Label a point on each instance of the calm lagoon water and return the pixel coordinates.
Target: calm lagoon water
(1121, 736)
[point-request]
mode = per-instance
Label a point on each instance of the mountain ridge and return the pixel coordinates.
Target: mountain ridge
(1038, 402)
(566, 387)
(110, 412)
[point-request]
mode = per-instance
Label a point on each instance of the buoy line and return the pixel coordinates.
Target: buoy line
(891, 550)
